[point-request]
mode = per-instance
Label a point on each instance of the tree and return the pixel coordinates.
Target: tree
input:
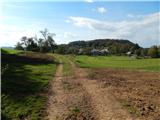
(40, 44)
(87, 51)
(137, 52)
(46, 47)
(48, 39)
(19, 46)
(24, 42)
(51, 43)
(153, 52)
(135, 47)
(32, 45)
(61, 49)
(72, 50)
(144, 52)
(159, 51)
(44, 33)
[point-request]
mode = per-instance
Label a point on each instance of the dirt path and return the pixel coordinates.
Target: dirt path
(55, 102)
(104, 104)
(79, 98)
(67, 99)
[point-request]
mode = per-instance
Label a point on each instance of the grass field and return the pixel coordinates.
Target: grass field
(25, 79)
(65, 60)
(11, 51)
(118, 62)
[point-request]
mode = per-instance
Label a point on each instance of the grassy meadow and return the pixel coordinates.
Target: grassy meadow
(65, 60)
(26, 76)
(24, 84)
(118, 62)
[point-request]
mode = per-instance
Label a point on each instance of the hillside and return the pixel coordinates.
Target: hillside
(115, 46)
(99, 43)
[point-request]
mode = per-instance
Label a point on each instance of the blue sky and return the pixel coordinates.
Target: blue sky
(83, 20)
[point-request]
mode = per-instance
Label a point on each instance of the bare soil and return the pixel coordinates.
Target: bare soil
(105, 105)
(104, 94)
(137, 91)
(68, 100)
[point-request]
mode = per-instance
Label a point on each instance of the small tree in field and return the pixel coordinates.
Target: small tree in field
(153, 52)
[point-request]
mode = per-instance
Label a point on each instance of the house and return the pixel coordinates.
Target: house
(129, 53)
(80, 52)
(99, 52)
(104, 52)
(95, 52)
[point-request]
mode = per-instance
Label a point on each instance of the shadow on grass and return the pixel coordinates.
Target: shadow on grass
(17, 79)
(24, 80)
(3, 117)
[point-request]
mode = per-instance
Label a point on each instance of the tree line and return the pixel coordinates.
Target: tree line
(114, 46)
(45, 44)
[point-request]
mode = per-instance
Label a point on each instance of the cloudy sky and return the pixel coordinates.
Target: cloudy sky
(82, 20)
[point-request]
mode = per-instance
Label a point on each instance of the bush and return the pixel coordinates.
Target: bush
(153, 52)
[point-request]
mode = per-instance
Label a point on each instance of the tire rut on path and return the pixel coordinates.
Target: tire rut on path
(105, 105)
(56, 107)
(68, 100)
(93, 101)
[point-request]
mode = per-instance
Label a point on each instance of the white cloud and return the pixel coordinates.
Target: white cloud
(101, 10)
(89, 1)
(11, 5)
(130, 15)
(81, 21)
(11, 34)
(136, 16)
(69, 35)
(143, 30)
(67, 21)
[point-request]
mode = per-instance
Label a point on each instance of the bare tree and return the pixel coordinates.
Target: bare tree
(48, 37)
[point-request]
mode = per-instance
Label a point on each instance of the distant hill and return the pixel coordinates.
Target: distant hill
(115, 46)
(99, 43)
(4, 47)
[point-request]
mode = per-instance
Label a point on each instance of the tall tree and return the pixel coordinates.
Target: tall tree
(48, 37)
(51, 43)
(32, 45)
(40, 44)
(24, 42)
(44, 33)
(19, 46)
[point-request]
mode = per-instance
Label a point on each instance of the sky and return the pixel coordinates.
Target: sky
(81, 20)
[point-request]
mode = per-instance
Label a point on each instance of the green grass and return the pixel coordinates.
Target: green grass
(127, 104)
(118, 62)
(10, 51)
(65, 59)
(24, 85)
